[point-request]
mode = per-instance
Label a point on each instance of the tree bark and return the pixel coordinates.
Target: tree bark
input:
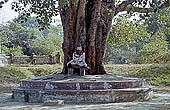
(87, 24)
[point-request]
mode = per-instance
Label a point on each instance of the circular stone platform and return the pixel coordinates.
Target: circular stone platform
(82, 89)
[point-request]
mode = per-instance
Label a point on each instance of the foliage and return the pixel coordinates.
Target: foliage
(125, 32)
(50, 44)
(138, 42)
(47, 46)
(150, 51)
(30, 23)
(26, 37)
(160, 21)
(2, 2)
(14, 35)
(125, 40)
(16, 51)
(158, 25)
(163, 58)
(121, 55)
(45, 10)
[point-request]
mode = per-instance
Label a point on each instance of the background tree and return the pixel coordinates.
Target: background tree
(160, 21)
(85, 22)
(14, 35)
(48, 45)
(25, 38)
(16, 51)
(139, 41)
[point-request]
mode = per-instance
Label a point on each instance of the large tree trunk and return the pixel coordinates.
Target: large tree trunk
(87, 23)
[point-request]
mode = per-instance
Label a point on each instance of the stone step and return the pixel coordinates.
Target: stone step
(86, 89)
(88, 85)
(82, 96)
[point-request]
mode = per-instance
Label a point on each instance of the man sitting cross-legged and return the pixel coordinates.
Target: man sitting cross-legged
(78, 61)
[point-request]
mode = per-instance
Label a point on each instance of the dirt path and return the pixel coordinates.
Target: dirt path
(160, 102)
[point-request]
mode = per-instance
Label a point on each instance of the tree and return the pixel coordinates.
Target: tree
(85, 22)
(149, 38)
(156, 47)
(16, 51)
(49, 45)
(125, 39)
(126, 32)
(160, 21)
(14, 35)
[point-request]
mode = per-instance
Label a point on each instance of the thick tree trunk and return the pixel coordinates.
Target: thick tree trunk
(87, 23)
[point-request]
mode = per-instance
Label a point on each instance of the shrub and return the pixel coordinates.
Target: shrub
(16, 51)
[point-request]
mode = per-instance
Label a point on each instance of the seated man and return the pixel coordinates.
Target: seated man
(78, 61)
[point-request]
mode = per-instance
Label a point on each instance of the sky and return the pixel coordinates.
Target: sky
(6, 13)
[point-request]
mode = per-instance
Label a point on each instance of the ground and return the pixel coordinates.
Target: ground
(160, 101)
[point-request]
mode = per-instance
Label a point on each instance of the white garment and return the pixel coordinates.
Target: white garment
(78, 60)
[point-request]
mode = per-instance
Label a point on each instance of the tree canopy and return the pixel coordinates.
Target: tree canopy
(45, 10)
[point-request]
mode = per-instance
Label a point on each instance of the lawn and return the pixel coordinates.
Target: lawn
(155, 74)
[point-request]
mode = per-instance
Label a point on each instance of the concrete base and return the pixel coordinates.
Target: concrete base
(82, 89)
(53, 103)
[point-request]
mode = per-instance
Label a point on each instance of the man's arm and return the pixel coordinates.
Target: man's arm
(73, 56)
(83, 57)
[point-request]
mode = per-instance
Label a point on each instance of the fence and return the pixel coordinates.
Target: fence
(33, 59)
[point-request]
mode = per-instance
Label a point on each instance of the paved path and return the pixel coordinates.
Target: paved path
(160, 102)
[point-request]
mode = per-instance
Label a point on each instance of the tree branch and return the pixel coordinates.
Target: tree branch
(121, 7)
(145, 10)
(139, 10)
(124, 6)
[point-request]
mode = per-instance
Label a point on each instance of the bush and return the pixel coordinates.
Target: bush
(16, 51)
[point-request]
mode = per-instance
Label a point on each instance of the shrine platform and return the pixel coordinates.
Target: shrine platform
(82, 89)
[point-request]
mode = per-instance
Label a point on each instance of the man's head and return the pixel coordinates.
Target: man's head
(79, 50)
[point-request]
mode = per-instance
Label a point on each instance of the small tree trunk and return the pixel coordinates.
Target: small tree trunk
(87, 23)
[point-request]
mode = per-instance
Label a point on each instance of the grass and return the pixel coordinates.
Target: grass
(123, 69)
(13, 74)
(10, 74)
(41, 70)
(155, 74)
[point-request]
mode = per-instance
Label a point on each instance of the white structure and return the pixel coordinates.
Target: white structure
(2, 59)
